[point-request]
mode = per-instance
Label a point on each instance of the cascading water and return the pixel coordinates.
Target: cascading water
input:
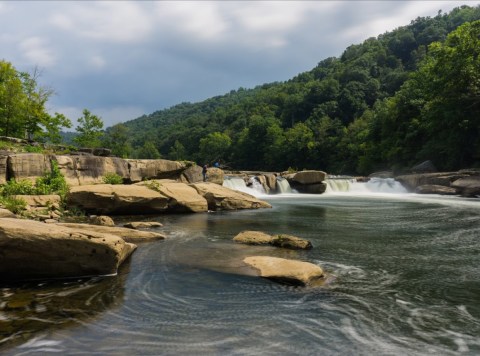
(374, 185)
(283, 187)
(238, 183)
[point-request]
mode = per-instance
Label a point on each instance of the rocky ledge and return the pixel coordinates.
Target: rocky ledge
(34, 250)
(282, 240)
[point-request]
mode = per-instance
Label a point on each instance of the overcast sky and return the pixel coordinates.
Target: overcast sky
(122, 59)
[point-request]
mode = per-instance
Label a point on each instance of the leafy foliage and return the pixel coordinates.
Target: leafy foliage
(89, 130)
(112, 178)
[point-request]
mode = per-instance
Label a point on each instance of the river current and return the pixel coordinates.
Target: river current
(404, 280)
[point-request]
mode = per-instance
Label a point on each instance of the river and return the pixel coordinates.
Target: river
(405, 280)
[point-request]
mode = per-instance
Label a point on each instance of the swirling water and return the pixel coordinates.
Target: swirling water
(406, 282)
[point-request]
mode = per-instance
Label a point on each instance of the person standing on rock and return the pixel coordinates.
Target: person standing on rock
(204, 172)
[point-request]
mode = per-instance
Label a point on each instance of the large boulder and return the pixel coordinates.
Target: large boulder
(468, 186)
(412, 181)
(222, 198)
(282, 240)
(309, 177)
(40, 200)
(141, 169)
(192, 174)
(117, 199)
(32, 250)
(128, 235)
(424, 167)
(286, 271)
(310, 182)
(215, 175)
(181, 197)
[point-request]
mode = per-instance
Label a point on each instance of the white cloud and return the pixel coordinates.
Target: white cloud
(113, 21)
(36, 50)
(97, 62)
(202, 20)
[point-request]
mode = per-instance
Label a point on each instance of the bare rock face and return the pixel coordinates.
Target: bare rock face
(309, 177)
(286, 271)
(3, 169)
(412, 181)
(92, 169)
(128, 235)
(282, 240)
(435, 189)
(28, 166)
(222, 198)
(5, 213)
(31, 250)
(181, 197)
(468, 187)
(117, 199)
(141, 169)
(192, 174)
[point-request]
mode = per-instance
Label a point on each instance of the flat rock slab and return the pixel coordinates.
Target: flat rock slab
(32, 250)
(142, 224)
(127, 234)
(222, 198)
(435, 189)
(286, 271)
(282, 240)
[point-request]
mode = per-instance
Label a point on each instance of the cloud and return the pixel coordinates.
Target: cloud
(111, 21)
(36, 50)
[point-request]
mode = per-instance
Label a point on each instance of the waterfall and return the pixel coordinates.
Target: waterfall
(374, 185)
(283, 187)
(237, 183)
(256, 186)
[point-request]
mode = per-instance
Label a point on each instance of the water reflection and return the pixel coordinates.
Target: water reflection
(30, 309)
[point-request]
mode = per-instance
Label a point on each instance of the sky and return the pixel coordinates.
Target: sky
(124, 59)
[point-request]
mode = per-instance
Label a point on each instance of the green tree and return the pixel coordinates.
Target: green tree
(214, 147)
(12, 100)
(149, 151)
(89, 130)
(117, 140)
(177, 152)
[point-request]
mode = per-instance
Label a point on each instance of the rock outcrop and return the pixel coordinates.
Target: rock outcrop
(128, 235)
(32, 250)
(142, 224)
(286, 271)
(117, 199)
(142, 169)
(222, 198)
(435, 189)
(167, 196)
(468, 186)
(282, 240)
(310, 182)
(181, 197)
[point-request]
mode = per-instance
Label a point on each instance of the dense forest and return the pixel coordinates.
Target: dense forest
(406, 96)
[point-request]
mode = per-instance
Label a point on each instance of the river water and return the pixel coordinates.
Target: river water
(405, 280)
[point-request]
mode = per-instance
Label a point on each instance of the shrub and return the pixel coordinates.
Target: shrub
(153, 185)
(15, 205)
(22, 187)
(112, 178)
(52, 182)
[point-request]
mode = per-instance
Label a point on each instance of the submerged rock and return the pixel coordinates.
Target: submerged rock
(32, 250)
(142, 224)
(282, 240)
(286, 271)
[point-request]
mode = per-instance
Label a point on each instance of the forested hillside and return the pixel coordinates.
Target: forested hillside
(406, 96)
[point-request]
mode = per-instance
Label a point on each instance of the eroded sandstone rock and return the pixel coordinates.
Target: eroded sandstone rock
(129, 235)
(286, 271)
(31, 250)
(281, 240)
(222, 198)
